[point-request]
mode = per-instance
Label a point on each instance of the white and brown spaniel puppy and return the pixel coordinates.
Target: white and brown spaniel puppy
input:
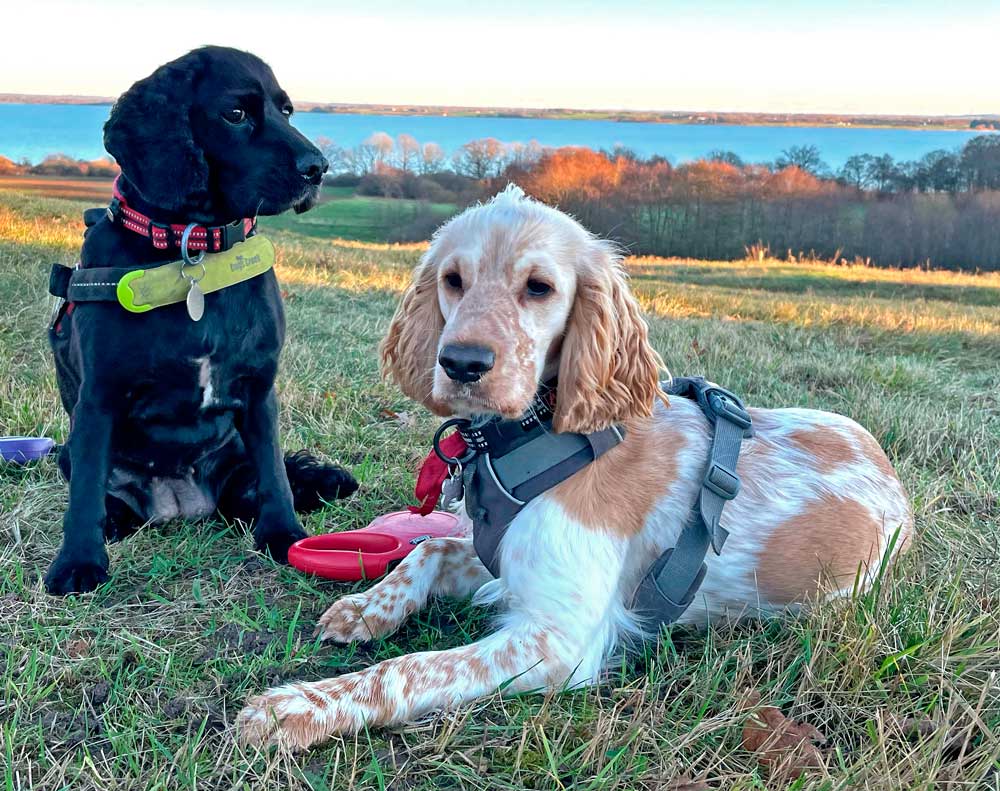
(819, 510)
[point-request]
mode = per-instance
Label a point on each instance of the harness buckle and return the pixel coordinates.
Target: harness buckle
(722, 481)
(724, 404)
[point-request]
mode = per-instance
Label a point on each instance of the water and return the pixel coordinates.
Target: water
(34, 130)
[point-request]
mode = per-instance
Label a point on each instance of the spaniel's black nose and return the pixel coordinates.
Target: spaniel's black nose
(311, 166)
(466, 363)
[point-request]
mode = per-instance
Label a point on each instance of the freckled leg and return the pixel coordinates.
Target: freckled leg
(401, 689)
(437, 567)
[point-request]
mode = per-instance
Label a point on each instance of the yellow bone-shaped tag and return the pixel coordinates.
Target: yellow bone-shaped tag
(145, 289)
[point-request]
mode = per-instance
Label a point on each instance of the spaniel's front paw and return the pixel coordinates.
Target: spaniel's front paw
(296, 716)
(365, 616)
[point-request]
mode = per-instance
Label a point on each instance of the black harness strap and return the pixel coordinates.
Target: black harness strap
(502, 480)
(510, 462)
(672, 582)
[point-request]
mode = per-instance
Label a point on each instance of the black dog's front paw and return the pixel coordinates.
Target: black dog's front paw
(75, 574)
(276, 541)
(314, 482)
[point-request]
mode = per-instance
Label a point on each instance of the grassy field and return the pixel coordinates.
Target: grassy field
(341, 213)
(137, 685)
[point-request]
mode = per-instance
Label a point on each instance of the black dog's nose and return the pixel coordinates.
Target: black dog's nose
(311, 166)
(466, 363)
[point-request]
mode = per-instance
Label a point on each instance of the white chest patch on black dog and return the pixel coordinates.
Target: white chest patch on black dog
(205, 381)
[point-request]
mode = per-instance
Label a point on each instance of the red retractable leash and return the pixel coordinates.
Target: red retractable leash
(372, 551)
(369, 553)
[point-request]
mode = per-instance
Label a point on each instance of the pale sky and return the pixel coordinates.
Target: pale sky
(851, 56)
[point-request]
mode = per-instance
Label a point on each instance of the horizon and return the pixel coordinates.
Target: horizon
(848, 58)
(400, 107)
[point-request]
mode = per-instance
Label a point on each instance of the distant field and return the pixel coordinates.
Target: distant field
(137, 685)
(341, 214)
(98, 190)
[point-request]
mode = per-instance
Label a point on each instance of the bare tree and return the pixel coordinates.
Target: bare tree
(407, 153)
(480, 159)
(431, 158)
(372, 154)
(881, 172)
(524, 155)
(340, 160)
(805, 158)
(855, 171)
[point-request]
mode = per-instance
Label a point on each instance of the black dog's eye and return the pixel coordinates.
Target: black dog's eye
(537, 288)
(454, 280)
(234, 116)
(287, 111)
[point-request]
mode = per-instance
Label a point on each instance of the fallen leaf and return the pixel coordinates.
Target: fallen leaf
(78, 649)
(782, 745)
(329, 395)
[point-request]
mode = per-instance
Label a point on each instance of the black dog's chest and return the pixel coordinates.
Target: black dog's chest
(198, 368)
(180, 387)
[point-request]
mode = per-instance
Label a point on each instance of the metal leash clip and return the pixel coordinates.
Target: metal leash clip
(195, 297)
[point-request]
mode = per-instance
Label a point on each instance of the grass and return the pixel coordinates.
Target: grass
(137, 685)
(347, 216)
(341, 213)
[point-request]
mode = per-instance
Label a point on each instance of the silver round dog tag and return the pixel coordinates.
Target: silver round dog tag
(195, 302)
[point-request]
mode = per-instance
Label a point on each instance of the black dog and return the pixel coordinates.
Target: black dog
(172, 417)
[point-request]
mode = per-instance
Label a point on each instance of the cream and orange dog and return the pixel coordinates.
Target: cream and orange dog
(817, 513)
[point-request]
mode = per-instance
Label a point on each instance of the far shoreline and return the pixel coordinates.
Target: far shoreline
(949, 123)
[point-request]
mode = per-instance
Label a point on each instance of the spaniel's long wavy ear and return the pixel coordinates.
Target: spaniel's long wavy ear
(409, 350)
(608, 372)
(149, 135)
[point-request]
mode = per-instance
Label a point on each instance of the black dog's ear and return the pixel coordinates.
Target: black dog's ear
(149, 135)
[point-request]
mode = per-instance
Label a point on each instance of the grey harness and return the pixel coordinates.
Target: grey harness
(510, 462)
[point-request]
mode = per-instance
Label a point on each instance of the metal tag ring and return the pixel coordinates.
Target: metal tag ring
(188, 260)
(452, 460)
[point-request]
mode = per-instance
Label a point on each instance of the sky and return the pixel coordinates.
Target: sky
(846, 56)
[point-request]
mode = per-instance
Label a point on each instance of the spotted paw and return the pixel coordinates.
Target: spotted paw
(363, 616)
(295, 716)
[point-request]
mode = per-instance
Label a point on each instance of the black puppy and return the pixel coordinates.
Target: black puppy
(172, 417)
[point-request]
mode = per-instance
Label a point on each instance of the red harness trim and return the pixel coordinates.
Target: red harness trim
(164, 236)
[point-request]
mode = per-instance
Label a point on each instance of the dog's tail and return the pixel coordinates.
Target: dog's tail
(315, 482)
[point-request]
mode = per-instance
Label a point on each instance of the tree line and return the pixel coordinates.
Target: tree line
(60, 165)
(942, 210)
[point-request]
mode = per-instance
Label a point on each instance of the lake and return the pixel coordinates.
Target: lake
(34, 130)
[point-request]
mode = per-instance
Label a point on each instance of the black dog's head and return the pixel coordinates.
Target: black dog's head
(208, 136)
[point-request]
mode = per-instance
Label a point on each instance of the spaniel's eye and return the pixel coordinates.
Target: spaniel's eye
(234, 116)
(538, 288)
(454, 280)
(287, 111)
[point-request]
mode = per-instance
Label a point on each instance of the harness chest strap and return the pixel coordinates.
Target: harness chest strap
(498, 487)
(140, 290)
(511, 462)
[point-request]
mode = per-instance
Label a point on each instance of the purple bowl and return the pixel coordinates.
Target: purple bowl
(19, 450)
